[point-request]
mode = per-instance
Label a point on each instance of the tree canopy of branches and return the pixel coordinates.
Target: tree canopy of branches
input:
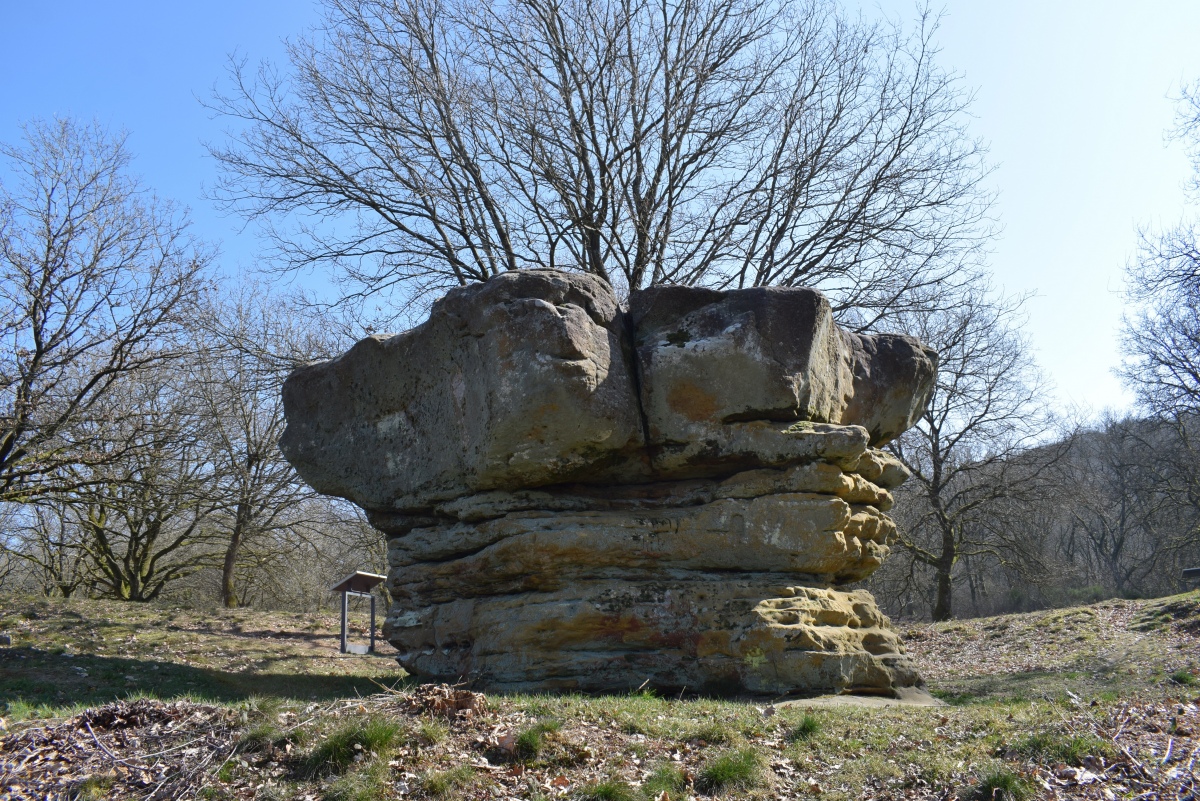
(1124, 523)
(96, 275)
(1163, 337)
(237, 390)
(429, 143)
(975, 450)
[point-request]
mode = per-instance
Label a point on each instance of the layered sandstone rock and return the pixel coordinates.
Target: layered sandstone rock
(579, 497)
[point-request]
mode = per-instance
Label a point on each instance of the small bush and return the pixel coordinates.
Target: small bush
(667, 779)
(445, 783)
(733, 770)
(349, 744)
(1002, 785)
(531, 741)
(805, 729)
(610, 790)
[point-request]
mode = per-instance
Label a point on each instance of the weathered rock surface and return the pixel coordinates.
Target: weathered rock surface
(716, 366)
(518, 382)
(753, 633)
(578, 497)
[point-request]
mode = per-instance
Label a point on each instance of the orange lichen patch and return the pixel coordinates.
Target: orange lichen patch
(537, 421)
(713, 642)
(632, 630)
(692, 402)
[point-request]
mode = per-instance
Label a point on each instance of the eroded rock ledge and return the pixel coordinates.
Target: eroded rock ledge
(581, 497)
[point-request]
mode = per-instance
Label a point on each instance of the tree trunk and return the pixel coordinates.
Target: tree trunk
(228, 591)
(943, 606)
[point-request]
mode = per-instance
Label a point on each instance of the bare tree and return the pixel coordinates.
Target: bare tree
(96, 274)
(148, 514)
(237, 386)
(980, 446)
(427, 143)
(45, 537)
(1163, 335)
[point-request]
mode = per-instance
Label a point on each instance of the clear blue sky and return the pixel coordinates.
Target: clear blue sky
(1072, 96)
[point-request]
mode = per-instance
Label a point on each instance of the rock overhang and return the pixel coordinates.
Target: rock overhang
(538, 378)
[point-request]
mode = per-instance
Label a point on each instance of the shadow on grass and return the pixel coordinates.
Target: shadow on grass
(35, 678)
(1024, 686)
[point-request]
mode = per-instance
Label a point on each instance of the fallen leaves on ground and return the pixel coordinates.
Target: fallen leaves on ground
(142, 749)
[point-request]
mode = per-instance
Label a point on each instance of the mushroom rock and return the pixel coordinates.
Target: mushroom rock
(581, 497)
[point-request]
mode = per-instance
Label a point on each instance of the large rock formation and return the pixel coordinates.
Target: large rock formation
(580, 497)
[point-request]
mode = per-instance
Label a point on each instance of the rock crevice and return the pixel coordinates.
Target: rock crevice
(583, 497)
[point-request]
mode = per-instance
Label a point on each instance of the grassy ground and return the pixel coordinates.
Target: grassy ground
(78, 653)
(1089, 702)
(1107, 651)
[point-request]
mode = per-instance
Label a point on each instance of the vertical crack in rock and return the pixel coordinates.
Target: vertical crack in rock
(635, 373)
(579, 497)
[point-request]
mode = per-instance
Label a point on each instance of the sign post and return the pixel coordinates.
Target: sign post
(357, 583)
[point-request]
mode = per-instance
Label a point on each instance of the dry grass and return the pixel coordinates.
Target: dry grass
(1136, 734)
(74, 653)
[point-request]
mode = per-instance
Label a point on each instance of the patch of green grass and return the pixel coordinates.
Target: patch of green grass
(540, 706)
(1183, 677)
(432, 732)
(713, 733)
(805, 729)
(1002, 785)
(734, 770)
(214, 794)
(93, 788)
(667, 779)
(370, 784)
(1053, 747)
(352, 742)
(634, 726)
(968, 698)
(532, 741)
(445, 783)
(260, 737)
(608, 790)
